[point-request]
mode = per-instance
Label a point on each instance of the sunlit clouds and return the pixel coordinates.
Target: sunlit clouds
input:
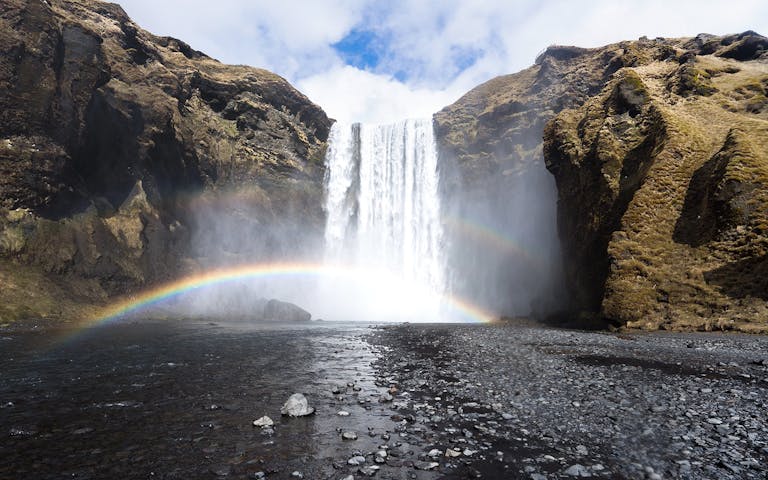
(375, 61)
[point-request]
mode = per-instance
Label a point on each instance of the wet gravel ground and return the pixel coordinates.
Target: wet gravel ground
(521, 401)
(177, 400)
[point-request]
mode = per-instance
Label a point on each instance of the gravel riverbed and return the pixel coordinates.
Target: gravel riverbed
(177, 400)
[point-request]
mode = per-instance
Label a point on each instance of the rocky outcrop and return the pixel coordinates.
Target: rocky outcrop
(661, 187)
(658, 148)
(279, 311)
(116, 145)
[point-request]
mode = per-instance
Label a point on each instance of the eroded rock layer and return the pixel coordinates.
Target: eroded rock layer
(115, 144)
(659, 149)
(662, 181)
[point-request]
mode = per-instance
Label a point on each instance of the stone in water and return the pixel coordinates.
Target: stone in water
(297, 406)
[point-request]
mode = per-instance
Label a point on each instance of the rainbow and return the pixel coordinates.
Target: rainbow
(491, 238)
(194, 282)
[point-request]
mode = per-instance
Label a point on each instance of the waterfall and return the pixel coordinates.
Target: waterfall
(382, 201)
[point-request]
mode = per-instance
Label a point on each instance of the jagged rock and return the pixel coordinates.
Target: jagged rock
(658, 152)
(297, 406)
(108, 131)
(653, 191)
(264, 421)
(276, 310)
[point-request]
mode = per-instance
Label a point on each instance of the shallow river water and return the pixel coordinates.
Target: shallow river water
(177, 400)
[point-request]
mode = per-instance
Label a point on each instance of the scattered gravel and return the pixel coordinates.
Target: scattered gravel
(530, 402)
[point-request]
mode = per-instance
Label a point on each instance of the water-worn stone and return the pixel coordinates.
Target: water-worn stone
(264, 421)
(297, 406)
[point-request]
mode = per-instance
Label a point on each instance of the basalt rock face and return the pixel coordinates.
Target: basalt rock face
(662, 178)
(118, 146)
(491, 139)
(659, 153)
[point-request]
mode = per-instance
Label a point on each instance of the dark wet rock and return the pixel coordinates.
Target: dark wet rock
(578, 470)
(419, 465)
(279, 311)
(297, 405)
(221, 470)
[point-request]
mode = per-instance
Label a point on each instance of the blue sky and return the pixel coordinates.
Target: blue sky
(382, 60)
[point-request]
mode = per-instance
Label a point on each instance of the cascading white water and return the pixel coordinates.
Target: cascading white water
(383, 204)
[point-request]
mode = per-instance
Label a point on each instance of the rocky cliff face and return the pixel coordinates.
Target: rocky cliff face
(662, 186)
(659, 149)
(116, 145)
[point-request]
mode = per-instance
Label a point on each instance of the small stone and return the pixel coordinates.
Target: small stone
(582, 450)
(348, 477)
(386, 397)
(714, 421)
(259, 475)
(578, 470)
(264, 421)
(342, 413)
(297, 474)
(356, 460)
(369, 471)
(425, 465)
(468, 453)
(221, 470)
(349, 436)
(297, 406)
(434, 453)
(452, 453)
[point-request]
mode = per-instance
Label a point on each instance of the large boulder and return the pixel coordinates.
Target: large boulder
(278, 311)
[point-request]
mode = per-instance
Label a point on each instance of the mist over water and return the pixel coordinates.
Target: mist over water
(401, 238)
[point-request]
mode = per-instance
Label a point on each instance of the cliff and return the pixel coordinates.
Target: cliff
(659, 150)
(662, 182)
(115, 144)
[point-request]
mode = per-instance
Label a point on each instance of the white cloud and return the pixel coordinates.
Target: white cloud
(427, 40)
(353, 95)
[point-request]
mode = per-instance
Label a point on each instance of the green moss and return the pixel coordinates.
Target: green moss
(694, 81)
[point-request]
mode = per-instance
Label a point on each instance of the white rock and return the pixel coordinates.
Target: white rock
(264, 421)
(297, 406)
(342, 413)
(434, 453)
(452, 453)
(578, 471)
